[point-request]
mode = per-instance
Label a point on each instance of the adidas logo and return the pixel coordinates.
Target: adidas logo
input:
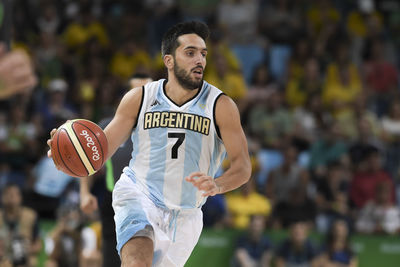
(155, 103)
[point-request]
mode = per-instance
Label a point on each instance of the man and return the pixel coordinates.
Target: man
(112, 171)
(20, 226)
(253, 248)
(181, 128)
(16, 73)
(16, 70)
(297, 249)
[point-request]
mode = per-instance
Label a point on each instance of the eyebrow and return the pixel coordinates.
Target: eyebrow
(196, 48)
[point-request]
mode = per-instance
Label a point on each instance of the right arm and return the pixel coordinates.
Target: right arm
(120, 128)
(117, 131)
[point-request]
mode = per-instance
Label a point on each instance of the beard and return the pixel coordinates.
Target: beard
(185, 80)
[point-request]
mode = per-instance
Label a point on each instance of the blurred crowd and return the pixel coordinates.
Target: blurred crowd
(317, 86)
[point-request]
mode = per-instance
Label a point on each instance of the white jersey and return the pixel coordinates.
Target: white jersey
(171, 141)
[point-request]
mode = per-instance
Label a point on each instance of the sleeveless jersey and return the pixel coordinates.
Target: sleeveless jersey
(171, 141)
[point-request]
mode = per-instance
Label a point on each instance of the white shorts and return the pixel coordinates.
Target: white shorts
(174, 232)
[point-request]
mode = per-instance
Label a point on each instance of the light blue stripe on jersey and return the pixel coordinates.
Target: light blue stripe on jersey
(158, 157)
(192, 156)
(215, 156)
(135, 142)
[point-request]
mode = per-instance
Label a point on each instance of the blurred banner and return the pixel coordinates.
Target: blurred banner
(215, 248)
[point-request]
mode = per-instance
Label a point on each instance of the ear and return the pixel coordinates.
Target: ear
(168, 61)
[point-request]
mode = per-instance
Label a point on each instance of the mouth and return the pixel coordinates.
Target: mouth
(198, 72)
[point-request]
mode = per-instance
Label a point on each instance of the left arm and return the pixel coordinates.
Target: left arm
(228, 120)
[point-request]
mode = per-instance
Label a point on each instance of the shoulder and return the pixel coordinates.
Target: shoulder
(224, 104)
(28, 213)
(225, 111)
(134, 94)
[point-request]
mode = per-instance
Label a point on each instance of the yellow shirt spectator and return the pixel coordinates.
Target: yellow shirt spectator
(357, 23)
(222, 49)
(298, 91)
(229, 80)
(242, 207)
(318, 15)
(244, 203)
(232, 84)
(124, 64)
(342, 86)
(77, 34)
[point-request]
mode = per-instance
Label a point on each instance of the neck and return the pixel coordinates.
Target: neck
(12, 213)
(177, 93)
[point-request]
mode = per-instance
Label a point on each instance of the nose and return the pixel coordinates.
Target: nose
(200, 60)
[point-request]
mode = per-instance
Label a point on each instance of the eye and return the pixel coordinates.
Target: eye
(204, 54)
(190, 53)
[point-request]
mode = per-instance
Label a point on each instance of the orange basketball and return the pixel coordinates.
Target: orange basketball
(79, 148)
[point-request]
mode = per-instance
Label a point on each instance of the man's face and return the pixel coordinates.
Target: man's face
(190, 61)
(11, 197)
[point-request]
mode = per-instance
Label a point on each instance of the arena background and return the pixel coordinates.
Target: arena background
(317, 86)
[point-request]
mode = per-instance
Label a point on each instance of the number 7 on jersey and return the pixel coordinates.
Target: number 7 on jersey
(181, 137)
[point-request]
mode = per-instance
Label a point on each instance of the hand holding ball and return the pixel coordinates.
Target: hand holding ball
(79, 148)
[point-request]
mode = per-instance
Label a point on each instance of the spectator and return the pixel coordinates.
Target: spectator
(337, 251)
(246, 202)
(321, 14)
(70, 244)
(342, 83)
(287, 176)
(359, 112)
(332, 197)
(328, 148)
(16, 73)
(381, 77)
(309, 122)
(297, 208)
(230, 81)
(49, 20)
(364, 182)
(215, 212)
(301, 88)
(297, 250)
(299, 57)
(367, 139)
(132, 57)
(57, 107)
(84, 28)
(391, 136)
(380, 215)
(261, 85)
(280, 22)
(20, 225)
(5, 261)
(253, 248)
(48, 57)
(49, 187)
(238, 19)
(271, 123)
(218, 45)
(18, 135)
(364, 21)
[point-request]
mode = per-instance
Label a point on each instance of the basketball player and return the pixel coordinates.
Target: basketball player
(113, 169)
(180, 128)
